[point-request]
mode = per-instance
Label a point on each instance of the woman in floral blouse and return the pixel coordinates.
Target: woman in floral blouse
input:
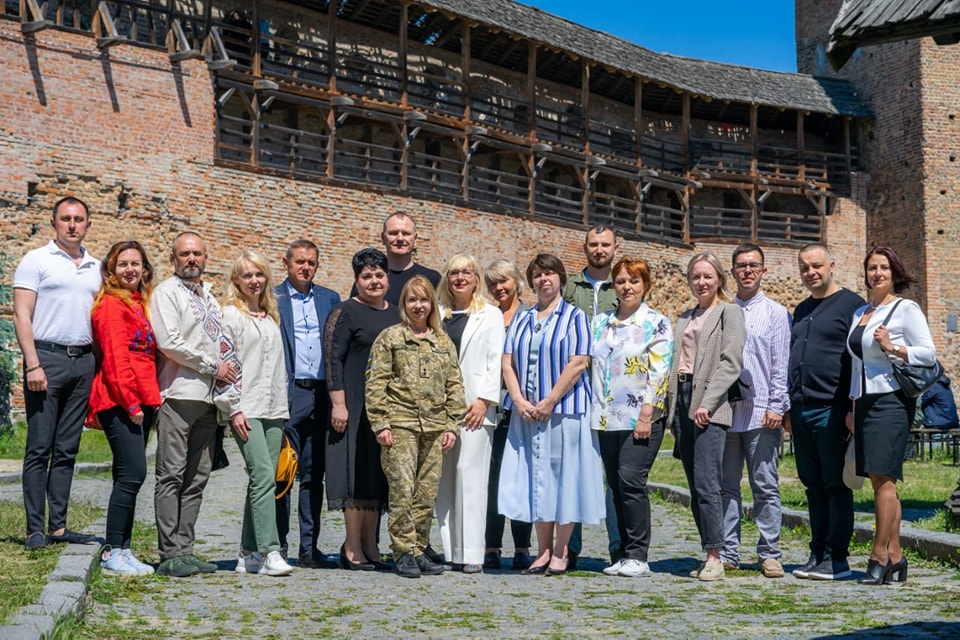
(633, 347)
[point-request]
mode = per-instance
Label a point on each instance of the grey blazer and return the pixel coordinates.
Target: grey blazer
(718, 363)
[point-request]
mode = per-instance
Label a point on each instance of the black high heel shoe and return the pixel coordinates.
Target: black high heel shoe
(896, 572)
(353, 566)
(876, 572)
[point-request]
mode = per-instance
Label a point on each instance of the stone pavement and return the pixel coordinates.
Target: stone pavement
(668, 604)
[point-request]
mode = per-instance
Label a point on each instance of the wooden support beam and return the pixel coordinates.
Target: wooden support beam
(802, 175)
(178, 45)
(332, 137)
(638, 117)
(215, 52)
(31, 17)
(532, 90)
(402, 53)
(753, 139)
(465, 68)
(585, 102)
(104, 29)
(332, 10)
(257, 39)
(685, 131)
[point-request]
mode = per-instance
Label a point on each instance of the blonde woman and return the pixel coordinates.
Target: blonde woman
(707, 360)
(415, 403)
(255, 406)
(476, 328)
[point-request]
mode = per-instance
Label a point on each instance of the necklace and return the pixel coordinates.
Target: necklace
(874, 306)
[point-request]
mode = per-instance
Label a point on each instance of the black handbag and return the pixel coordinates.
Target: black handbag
(913, 379)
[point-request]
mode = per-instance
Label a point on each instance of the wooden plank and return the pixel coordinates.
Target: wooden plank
(638, 117)
(257, 44)
(402, 53)
(585, 103)
(532, 92)
(465, 68)
(753, 138)
(332, 10)
(685, 131)
(801, 147)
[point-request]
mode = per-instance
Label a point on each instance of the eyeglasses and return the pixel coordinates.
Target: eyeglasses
(753, 266)
(460, 273)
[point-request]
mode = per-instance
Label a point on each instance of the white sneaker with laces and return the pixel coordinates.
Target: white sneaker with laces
(275, 565)
(114, 563)
(249, 562)
(144, 568)
(614, 569)
(633, 568)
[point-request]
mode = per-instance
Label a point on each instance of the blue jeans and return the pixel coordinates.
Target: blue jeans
(819, 443)
(759, 448)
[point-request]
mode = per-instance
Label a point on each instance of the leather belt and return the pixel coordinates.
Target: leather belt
(74, 351)
(683, 377)
(308, 383)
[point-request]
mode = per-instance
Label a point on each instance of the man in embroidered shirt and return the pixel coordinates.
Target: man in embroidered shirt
(53, 291)
(186, 320)
(304, 308)
(819, 382)
(592, 291)
(755, 435)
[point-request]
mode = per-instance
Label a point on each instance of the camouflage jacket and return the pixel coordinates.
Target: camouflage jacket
(414, 383)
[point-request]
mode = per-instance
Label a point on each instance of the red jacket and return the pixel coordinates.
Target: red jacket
(127, 373)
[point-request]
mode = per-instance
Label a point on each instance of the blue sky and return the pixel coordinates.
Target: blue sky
(755, 33)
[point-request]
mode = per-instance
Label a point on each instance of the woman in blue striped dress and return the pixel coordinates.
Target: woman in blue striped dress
(551, 473)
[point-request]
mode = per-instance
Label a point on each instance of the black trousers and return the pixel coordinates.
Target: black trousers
(307, 430)
(128, 442)
(54, 425)
(627, 463)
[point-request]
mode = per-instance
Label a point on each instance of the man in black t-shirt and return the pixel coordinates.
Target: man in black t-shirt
(819, 386)
(399, 237)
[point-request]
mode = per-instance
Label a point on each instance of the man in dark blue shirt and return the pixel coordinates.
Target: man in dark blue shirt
(819, 387)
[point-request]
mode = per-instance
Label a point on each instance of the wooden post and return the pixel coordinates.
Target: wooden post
(332, 10)
(532, 92)
(802, 175)
(585, 103)
(686, 131)
(638, 116)
(331, 137)
(465, 67)
(256, 39)
(402, 53)
(753, 139)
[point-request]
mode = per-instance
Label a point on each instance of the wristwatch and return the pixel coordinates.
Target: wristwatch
(896, 350)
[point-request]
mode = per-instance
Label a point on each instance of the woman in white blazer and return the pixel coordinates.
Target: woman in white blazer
(881, 414)
(476, 328)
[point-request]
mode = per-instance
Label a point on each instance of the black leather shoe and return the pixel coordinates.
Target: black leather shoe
(876, 572)
(521, 561)
(72, 537)
(407, 567)
(491, 560)
(535, 571)
(316, 561)
(431, 553)
(34, 541)
(897, 572)
(427, 566)
(353, 566)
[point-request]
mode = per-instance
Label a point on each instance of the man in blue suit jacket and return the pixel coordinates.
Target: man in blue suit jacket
(304, 308)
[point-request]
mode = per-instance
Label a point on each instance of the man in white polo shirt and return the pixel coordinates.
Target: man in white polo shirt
(53, 290)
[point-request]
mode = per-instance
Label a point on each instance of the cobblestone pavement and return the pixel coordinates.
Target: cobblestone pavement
(668, 604)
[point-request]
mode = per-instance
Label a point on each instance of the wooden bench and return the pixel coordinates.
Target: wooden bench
(922, 442)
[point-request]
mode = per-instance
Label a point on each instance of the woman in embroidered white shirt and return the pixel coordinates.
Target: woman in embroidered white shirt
(886, 329)
(255, 405)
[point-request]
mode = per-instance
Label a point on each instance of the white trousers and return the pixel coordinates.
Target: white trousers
(462, 498)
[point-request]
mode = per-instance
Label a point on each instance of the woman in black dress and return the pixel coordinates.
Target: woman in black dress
(355, 481)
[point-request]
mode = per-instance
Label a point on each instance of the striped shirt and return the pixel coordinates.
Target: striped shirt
(567, 335)
(766, 356)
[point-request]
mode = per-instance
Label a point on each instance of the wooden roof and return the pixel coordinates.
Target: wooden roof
(503, 26)
(867, 22)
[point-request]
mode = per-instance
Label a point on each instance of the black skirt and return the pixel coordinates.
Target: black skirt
(882, 428)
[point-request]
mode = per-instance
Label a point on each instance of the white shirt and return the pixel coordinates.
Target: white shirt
(65, 293)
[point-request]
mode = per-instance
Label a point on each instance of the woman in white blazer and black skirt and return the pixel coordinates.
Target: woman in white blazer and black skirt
(476, 328)
(881, 414)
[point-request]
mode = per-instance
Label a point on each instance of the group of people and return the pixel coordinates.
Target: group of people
(429, 394)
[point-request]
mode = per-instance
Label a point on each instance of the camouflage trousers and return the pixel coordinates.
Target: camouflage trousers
(412, 466)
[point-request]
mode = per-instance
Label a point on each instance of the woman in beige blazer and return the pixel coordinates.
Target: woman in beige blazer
(476, 328)
(707, 359)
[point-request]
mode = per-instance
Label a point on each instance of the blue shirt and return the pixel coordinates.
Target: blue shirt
(306, 334)
(566, 334)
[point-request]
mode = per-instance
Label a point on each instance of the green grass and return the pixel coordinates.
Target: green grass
(23, 573)
(926, 485)
(93, 445)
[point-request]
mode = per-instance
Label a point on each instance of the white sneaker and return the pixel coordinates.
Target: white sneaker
(614, 569)
(143, 568)
(275, 565)
(633, 568)
(249, 562)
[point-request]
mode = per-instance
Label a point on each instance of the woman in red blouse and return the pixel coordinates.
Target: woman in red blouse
(125, 395)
